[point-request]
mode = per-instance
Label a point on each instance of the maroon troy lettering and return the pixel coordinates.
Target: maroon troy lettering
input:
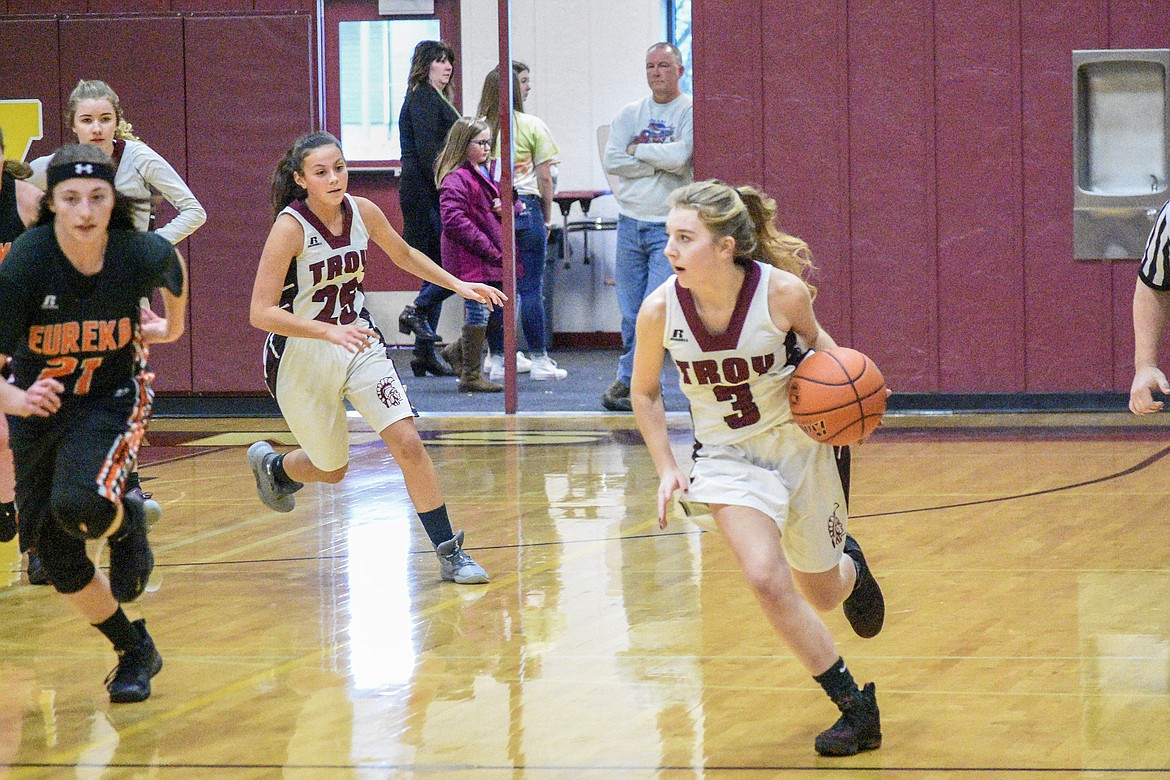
(735, 370)
(732, 371)
(334, 266)
(706, 372)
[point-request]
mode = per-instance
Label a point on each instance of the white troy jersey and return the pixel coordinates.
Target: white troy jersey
(736, 381)
(324, 282)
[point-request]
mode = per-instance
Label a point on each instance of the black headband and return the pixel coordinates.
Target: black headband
(79, 170)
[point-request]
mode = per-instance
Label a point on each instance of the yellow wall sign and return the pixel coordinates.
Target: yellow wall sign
(21, 122)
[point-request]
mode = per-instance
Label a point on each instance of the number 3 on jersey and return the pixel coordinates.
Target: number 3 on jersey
(742, 402)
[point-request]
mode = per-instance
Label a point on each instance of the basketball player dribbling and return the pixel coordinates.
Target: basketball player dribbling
(323, 348)
(735, 317)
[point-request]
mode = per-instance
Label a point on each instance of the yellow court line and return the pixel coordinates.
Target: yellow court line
(242, 438)
(69, 757)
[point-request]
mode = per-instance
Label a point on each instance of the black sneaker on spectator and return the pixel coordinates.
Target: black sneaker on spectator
(616, 397)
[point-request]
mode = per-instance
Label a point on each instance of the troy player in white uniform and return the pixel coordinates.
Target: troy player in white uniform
(734, 317)
(748, 449)
(323, 348)
(307, 375)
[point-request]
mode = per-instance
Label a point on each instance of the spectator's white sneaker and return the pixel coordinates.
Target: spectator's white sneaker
(545, 368)
(493, 366)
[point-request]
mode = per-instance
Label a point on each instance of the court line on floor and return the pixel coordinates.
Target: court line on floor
(63, 758)
(1157, 456)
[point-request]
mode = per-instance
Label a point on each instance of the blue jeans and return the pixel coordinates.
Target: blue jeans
(640, 269)
(429, 302)
(476, 314)
(531, 248)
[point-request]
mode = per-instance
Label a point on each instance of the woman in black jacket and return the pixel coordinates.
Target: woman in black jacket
(426, 117)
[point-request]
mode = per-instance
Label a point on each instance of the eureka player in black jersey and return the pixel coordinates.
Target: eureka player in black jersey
(81, 393)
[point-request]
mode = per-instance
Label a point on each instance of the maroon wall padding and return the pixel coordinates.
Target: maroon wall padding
(18, 81)
(732, 95)
(251, 96)
(141, 58)
(924, 151)
(45, 7)
(1067, 339)
(979, 198)
(891, 169)
(806, 145)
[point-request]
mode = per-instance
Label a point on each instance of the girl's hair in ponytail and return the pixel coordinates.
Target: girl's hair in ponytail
(748, 215)
(99, 90)
(284, 185)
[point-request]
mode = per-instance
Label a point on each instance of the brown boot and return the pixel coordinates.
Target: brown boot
(453, 354)
(471, 379)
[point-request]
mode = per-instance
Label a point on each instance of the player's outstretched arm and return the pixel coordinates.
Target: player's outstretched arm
(415, 262)
(646, 398)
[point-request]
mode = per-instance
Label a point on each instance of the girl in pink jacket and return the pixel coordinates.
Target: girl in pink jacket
(472, 244)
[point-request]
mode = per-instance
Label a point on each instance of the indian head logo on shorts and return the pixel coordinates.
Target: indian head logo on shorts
(388, 392)
(836, 527)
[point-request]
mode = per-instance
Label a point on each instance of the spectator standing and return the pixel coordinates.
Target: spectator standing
(649, 152)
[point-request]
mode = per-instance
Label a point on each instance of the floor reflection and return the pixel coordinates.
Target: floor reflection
(1027, 629)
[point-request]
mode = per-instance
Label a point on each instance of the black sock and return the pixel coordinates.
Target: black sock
(132, 482)
(7, 521)
(437, 524)
(838, 682)
(118, 630)
(281, 476)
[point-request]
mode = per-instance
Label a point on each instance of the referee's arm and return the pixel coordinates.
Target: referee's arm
(1151, 308)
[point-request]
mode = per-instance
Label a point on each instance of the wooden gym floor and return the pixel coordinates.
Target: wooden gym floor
(1025, 562)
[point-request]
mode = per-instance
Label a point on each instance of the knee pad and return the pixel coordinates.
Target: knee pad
(65, 561)
(81, 512)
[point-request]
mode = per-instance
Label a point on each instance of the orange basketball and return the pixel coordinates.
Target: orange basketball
(837, 396)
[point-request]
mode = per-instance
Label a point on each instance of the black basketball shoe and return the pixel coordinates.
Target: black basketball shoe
(865, 607)
(859, 727)
(130, 679)
(37, 574)
(131, 560)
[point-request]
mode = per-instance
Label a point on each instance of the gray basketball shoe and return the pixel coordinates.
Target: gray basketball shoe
(456, 565)
(275, 497)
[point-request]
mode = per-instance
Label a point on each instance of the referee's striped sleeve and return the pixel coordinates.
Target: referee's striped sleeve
(1155, 267)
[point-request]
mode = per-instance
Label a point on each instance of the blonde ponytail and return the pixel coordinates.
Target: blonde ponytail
(748, 215)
